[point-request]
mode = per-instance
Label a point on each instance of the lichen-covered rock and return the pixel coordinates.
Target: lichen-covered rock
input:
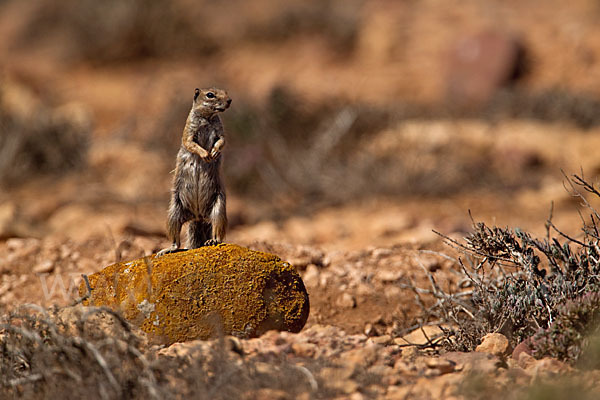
(205, 292)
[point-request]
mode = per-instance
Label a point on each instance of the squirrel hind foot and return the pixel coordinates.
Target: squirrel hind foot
(212, 242)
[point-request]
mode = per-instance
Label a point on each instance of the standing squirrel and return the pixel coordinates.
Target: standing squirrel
(198, 193)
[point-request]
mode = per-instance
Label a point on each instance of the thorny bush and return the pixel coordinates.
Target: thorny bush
(93, 353)
(545, 291)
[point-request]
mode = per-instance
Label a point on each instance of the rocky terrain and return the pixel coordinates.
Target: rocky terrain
(359, 130)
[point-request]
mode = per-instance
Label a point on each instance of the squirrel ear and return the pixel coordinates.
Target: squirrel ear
(196, 93)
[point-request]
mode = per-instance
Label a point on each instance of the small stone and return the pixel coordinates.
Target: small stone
(331, 374)
(357, 396)
(474, 362)
(382, 370)
(364, 356)
(265, 368)
(347, 386)
(14, 244)
(234, 344)
(494, 343)
(44, 267)
(526, 361)
(382, 340)
(444, 366)
(388, 276)
(381, 253)
(522, 347)
(5, 287)
(547, 367)
(363, 289)
(422, 335)
(399, 392)
(409, 353)
(370, 330)
(392, 291)
(267, 393)
(347, 301)
(311, 276)
(325, 278)
(304, 349)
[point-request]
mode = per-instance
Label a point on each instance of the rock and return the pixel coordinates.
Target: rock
(409, 354)
(388, 276)
(546, 368)
(311, 276)
(421, 336)
(363, 356)
(383, 340)
(442, 387)
(525, 361)
(194, 349)
(370, 330)
(357, 396)
(307, 350)
(494, 343)
(391, 292)
(8, 216)
(522, 347)
(267, 393)
(339, 379)
(44, 267)
(379, 253)
(399, 392)
(202, 293)
(441, 365)
(346, 301)
(480, 64)
(480, 363)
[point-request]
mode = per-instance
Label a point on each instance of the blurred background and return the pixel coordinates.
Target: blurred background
(353, 121)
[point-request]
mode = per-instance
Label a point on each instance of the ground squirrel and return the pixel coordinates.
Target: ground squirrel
(198, 193)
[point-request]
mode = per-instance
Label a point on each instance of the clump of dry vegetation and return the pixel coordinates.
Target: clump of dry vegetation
(330, 151)
(545, 291)
(92, 352)
(89, 353)
(117, 31)
(36, 139)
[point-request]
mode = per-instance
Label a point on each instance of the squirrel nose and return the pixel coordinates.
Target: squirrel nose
(228, 102)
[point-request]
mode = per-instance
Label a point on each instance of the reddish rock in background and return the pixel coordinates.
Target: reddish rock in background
(480, 64)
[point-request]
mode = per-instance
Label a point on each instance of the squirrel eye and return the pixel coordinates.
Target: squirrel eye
(210, 95)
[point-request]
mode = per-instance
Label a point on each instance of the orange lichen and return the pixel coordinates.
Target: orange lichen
(200, 293)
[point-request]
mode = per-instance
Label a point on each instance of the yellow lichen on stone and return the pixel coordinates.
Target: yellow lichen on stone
(201, 293)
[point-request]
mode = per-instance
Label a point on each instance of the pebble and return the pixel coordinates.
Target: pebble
(44, 267)
(494, 343)
(346, 301)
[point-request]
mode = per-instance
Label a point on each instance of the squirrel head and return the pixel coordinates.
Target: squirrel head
(208, 102)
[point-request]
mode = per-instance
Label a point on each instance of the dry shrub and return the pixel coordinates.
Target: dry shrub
(525, 287)
(36, 139)
(549, 105)
(114, 31)
(306, 154)
(479, 386)
(45, 356)
(94, 353)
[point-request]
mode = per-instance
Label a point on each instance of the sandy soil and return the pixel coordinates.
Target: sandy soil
(352, 254)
